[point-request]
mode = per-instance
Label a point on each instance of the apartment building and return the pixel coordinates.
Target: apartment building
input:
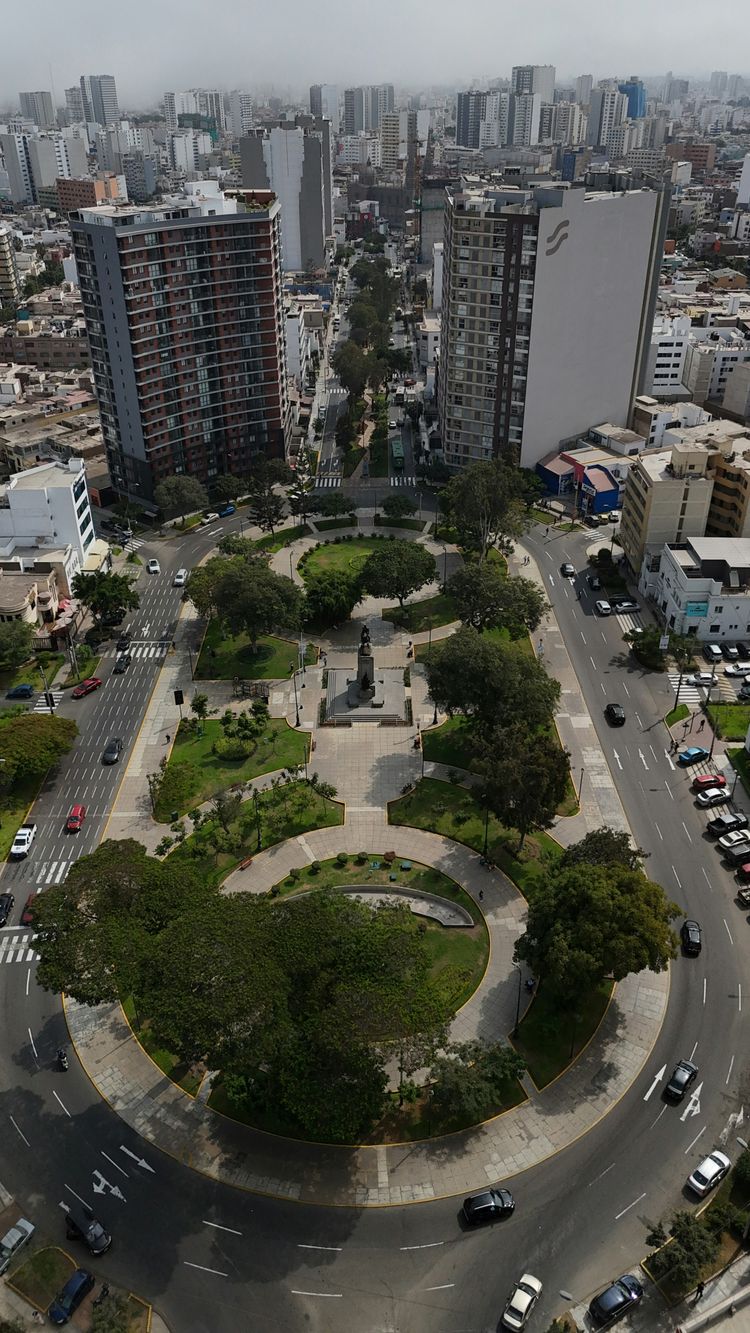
(183, 307)
(38, 108)
(99, 99)
(10, 287)
(294, 161)
(711, 356)
(652, 418)
(548, 294)
(702, 587)
(88, 191)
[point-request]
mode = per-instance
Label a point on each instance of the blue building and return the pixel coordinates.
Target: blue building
(636, 95)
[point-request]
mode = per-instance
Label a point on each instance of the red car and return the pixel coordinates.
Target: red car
(27, 915)
(706, 780)
(86, 687)
(75, 819)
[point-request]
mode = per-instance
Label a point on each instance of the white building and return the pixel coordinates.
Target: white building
(712, 355)
(428, 338)
(584, 84)
(608, 107)
(743, 188)
(666, 362)
(359, 150)
(302, 339)
(294, 162)
(570, 123)
(702, 587)
(15, 152)
(526, 109)
(47, 508)
(437, 275)
(653, 419)
(240, 113)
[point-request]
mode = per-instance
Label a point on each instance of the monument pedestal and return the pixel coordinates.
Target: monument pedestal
(371, 696)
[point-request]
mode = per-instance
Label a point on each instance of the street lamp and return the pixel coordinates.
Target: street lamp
(580, 785)
(518, 1002)
(47, 695)
(256, 803)
(734, 784)
(486, 830)
(296, 696)
(445, 566)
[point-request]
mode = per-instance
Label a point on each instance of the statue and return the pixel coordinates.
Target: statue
(364, 638)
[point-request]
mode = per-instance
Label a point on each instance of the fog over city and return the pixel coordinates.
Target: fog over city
(153, 46)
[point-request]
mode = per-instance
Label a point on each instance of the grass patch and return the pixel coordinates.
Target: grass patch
(730, 721)
(419, 616)
(455, 813)
(29, 673)
(677, 714)
(222, 657)
(449, 744)
(740, 760)
(352, 460)
(414, 524)
(170, 1064)
(276, 541)
(349, 557)
(75, 677)
(285, 811)
(42, 1275)
(14, 809)
(548, 1040)
(134, 559)
(206, 773)
(378, 458)
(326, 524)
(410, 1123)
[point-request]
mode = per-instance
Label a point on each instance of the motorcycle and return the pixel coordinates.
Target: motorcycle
(62, 1060)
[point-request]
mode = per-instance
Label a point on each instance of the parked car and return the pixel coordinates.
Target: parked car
(591, 520)
(74, 822)
(622, 604)
(618, 1298)
(615, 715)
(112, 751)
(594, 582)
(7, 902)
(153, 567)
(21, 692)
(703, 678)
(21, 845)
(86, 687)
(122, 664)
(614, 516)
(726, 823)
(695, 754)
(744, 690)
(521, 1301)
(737, 669)
(11, 1242)
(76, 1288)
(487, 1206)
(713, 796)
(738, 855)
(690, 934)
(567, 570)
(735, 838)
(711, 1170)
(603, 608)
(683, 1077)
(744, 650)
(705, 780)
(209, 518)
(227, 511)
(729, 652)
(81, 1224)
(712, 652)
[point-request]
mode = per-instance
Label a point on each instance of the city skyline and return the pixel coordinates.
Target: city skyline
(232, 52)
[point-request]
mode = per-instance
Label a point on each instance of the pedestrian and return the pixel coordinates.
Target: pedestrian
(699, 1290)
(481, 895)
(546, 532)
(168, 738)
(703, 723)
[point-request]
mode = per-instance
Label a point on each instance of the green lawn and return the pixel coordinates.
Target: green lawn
(379, 458)
(204, 773)
(348, 556)
(352, 460)
(14, 808)
(455, 813)
(276, 541)
(548, 1040)
(75, 678)
(29, 673)
(741, 762)
(170, 1064)
(414, 524)
(328, 524)
(449, 744)
(731, 721)
(222, 656)
(285, 812)
(677, 714)
(41, 1276)
(418, 616)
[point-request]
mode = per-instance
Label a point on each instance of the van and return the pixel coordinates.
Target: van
(738, 855)
(81, 1224)
(180, 578)
(712, 652)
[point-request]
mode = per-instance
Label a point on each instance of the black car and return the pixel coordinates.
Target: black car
(726, 823)
(123, 643)
(122, 664)
(81, 1224)
(568, 571)
(729, 652)
(613, 1303)
(76, 1288)
(487, 1206)
(113, 618)
(743, 650)
(615, 715)
(690, 934)
(113, 751)
(683, 1077)
(6, 907)
(594, 582)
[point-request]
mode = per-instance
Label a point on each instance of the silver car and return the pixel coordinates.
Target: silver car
(711, 1170)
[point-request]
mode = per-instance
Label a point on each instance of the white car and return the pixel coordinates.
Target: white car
(713, 796)
(734, 839)
(521, 1301)
(153, 567)
(180, 578)
(393, 425)
(603, 608)
(711, 1170)
(700, 678)
(737, 669)
(209, 518)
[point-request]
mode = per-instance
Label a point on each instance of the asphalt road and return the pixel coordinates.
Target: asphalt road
(215, 1259)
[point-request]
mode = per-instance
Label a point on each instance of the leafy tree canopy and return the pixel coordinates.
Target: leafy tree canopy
(180, 495)
(485, 504)
(16, 638)
(30, 743)
(250, 598)
(398, 506)
(486, 599)
(331, 596)
(525, 776)
(604, 847)
(397, 569)
(490, 680)
(105, 593)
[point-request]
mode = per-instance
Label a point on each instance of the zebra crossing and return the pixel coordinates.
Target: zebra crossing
(133, 543)
(52, 872)
(15, 946)
(696, 694)
(146, 648)
(42, 706)
(629, 621)
(321, 483)
(403, 481)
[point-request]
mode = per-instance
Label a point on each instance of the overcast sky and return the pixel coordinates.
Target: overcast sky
(153, 45)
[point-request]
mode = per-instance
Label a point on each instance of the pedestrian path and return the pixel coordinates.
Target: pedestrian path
(143, 648)
(133, 544)
(326, 482)
(696, 694)
(15, 946)
(403, 481)
(629, 621)
(42, 704)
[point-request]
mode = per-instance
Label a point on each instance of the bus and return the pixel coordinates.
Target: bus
(397, 455)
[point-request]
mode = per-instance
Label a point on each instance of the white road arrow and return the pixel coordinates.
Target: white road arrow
(141, 1161)
(101, 1184)
(643, 760)
(657, 1079)
(694, 1105)
(617, 757)
(733, 1124)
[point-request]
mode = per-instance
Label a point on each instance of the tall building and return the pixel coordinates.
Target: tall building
(482, 119)
(74, 105)
(99, 99)
(397, 130)
(718, 83)
(608, 107)
(15, 152)
(170, 112)
(10, 287)
(382, 100)
(183, 308)
(636, 94)
(291, 160)
(570, 123)
(534, 79)
(548, 301)
(743, 185)
(584, 85)
(55, 155)
(525, 111)
(240, 113)
(356, 111)
(324, 101)
(39, 108)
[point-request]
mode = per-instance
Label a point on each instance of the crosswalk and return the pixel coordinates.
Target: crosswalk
(15, 947)
(51, 872)
(696, 694)
(133, 544)
(146, 648)
(323, 483)
(629, 621)
(42, 705)
(403, 481)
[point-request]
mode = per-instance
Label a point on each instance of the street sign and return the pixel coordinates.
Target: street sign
(663, 643)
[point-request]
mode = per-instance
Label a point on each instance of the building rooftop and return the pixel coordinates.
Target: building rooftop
(47, 475)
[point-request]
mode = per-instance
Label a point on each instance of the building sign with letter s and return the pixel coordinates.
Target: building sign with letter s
(696, 609)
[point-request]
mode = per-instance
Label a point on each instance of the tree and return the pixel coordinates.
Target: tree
(531, 486)
(694, 1247)
(205, 579)
(31, 743)
(16, 638)
(105, 593)
(251, 599)
(469, 1081)
(490, 681)
(180, 495)
(604, 847)
(302, 499)
(225, 488)
(331, 1083)
(486, 599)
(113, 1315)
(199, 706)
(398, 506)
(350, 364)
(588, 922)
(397, 569)
(331, 596)
(333, 505)
(525, 776)
(344, 431)
(266, 507)
(484, 503)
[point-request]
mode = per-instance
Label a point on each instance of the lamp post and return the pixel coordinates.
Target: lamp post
(445, 566)
(580, 785)
(296, 696)
(518, 1002)
(47, 695)
(486, 830)
(256, 803)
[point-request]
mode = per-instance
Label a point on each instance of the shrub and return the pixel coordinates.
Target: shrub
(742, 1169)
(341, 858)
(315, 868)
(295, 874)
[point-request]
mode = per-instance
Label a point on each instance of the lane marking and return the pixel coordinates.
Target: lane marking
(75, 1196)
(684, 825)
(729, 933)
(705, 876)
(64, 1107)
(216, 1271)
(333, 1249)
(642, 758)
(739, 995)
(591, 660)
(601, 1176)
(219, 1227)
(704, 990)
(28, 981)
(115, 1164)
(692, 1053)
(33, 1047)
(729, 1071)
(627, 691)
(20, 1132)
(695, 1140)
(674, 872)
(658, 830)
(630, 1205)
(668, 758)
(655, 1122)
(444, 1287)
(433, 1244)
(583, 636)
(328, 1295)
